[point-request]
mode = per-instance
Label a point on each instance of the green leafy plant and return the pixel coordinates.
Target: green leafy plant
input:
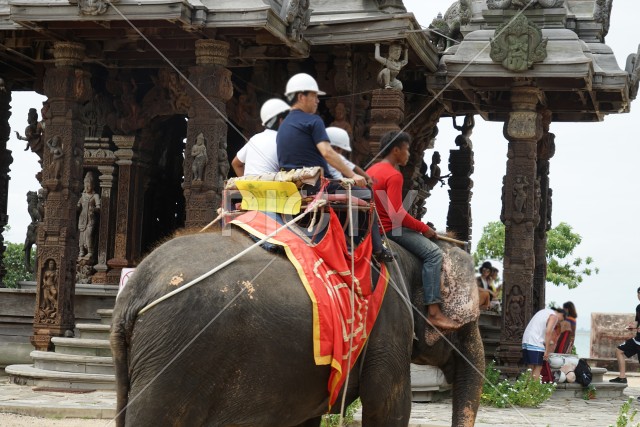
(589, 392)
(525, 391)
(333, 420)
(562, 267)
(626, 415)
(14, 263)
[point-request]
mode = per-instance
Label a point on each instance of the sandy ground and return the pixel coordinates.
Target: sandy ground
(12, 420)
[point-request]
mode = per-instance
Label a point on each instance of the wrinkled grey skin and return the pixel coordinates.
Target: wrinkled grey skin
(203, 358)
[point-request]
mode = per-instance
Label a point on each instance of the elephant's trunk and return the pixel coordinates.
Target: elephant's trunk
(469, 376)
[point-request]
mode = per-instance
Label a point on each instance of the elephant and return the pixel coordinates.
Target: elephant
(236, 349)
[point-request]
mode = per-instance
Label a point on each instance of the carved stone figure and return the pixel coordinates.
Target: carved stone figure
(48, 301)
(89, 206)
(34, 133)
(514, 315)
(223, 164)
(602, 14)
(57, 156)
(298, 16)
(34, 208)
(464, 139)
(435, 175)
(521, 4)
(392, 66)
(340, 119)
(93, 7)
(200, 159)
(445, 31)
(520, 187)
(518, 44)
(633, 68)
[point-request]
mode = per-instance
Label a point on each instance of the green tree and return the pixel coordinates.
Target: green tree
(14, 263)
(562, 267)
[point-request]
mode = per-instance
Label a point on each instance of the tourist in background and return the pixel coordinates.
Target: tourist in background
(538, 338)
(570, 318)
(629, 348)
(485, 286)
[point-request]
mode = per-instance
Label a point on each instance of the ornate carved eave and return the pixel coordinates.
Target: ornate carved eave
(582, 81)
(64, 10)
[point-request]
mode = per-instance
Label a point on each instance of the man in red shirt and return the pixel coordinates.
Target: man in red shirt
(402, 228)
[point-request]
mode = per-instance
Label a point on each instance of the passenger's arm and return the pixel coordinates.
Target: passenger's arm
(334, 160)
(238, 166)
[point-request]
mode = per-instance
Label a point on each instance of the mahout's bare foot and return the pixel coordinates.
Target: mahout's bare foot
(440, 321)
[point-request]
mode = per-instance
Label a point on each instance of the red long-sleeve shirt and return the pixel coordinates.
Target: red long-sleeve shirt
(387, 190)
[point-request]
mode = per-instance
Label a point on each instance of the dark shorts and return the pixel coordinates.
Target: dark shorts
(532, 357)
(630, 348)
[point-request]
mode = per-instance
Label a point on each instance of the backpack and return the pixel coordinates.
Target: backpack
(583, 373)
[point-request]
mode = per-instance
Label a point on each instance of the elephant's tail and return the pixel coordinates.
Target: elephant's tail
(120, 353)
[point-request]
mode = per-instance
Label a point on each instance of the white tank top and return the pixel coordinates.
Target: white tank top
(537, 327)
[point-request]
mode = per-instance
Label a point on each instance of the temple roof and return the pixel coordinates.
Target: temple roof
(579, 76)
(256, 29)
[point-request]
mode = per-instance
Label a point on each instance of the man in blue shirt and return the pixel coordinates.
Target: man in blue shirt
(302, 139)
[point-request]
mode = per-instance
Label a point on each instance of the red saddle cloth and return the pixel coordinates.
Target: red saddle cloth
(325, 271)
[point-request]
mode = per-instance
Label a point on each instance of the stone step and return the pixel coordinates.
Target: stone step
(82, 346)
(106, 315)
(29, 375)
(51, 361)
(603, 390)
(94, 331)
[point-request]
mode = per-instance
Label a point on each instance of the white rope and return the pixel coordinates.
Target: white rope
(352, 301)
(312, 206)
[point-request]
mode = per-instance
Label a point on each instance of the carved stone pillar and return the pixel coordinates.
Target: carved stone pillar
(459, 219)
(202, 197)
(520, 216)
(106, 184)
(122, 247)
(545, 151)
(387, 112)
(67, 86)
(5, 162)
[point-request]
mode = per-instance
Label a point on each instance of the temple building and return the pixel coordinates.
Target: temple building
(132, 86)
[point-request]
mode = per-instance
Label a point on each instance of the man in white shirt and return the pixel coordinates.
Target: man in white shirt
(537, 340)
(259, 155)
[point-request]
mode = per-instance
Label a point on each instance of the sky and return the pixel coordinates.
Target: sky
(593, 176)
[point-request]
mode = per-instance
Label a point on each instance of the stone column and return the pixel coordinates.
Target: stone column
(459, 219)
(545, 151)
(5, 162)
(67, 86)
(520, 216)
(122, 246)
(387, 112)
(202, 197)
(106, 183)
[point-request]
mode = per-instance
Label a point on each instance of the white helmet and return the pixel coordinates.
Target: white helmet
(271, 108)
(339, 138)
(302, 82)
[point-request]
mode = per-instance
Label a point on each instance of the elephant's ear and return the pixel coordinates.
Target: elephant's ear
(458, 289)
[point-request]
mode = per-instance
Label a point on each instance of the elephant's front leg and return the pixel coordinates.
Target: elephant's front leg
(385, 387)
(469, 376)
